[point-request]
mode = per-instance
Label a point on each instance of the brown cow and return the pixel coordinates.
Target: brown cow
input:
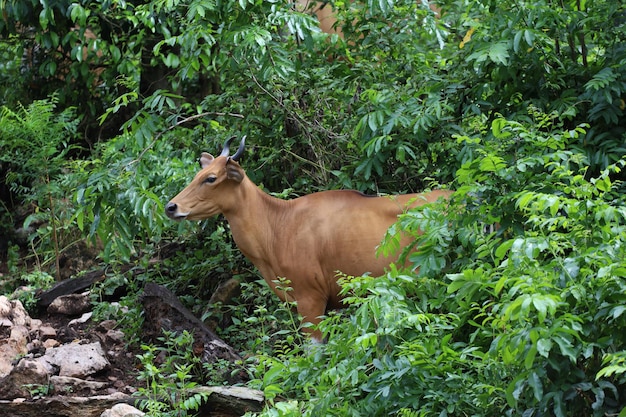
(308, 240)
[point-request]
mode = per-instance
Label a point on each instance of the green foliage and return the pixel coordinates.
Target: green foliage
(35, 142)
(550, 56)
(11, 83)
(369, 110)
(31, 284)
(519, 321)
(277, 327)
(38, 391)
(540, 295)
(169, 385)
(392, 354)
(74, 49)
(128, 312)
(120, 194)
(207, 257)
(404, 109)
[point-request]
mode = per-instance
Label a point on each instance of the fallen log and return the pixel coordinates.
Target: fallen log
(163, 311)
(222, 401)
(63, 406)
(70, 286)
(78, 284)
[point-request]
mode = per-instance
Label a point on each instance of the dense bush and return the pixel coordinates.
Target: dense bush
(35, 142)
(521, 321)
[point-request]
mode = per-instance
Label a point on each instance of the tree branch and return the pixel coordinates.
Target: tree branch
(181, 122)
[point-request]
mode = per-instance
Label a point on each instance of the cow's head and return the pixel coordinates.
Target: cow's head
(212, 191)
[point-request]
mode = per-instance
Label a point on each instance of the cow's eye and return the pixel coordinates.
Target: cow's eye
(210, 180)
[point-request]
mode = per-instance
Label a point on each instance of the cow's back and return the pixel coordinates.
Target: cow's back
(338, 232)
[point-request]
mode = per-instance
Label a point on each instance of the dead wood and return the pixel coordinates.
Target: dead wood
(163, 311)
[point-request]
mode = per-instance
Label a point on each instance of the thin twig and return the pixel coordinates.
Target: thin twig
(178, 123)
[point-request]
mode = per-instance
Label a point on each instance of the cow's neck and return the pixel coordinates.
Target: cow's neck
(254, 220)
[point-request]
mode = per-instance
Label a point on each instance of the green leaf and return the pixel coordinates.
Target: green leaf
(366, 340)
(535, 383)
(514, 390)
(116, 53)
(529, 36)
(458, 281)
(617, 311)
(516, 40)
(492, 163)
(566, 347)
(497, 127)
(78, 14)
(503, 249)
(271, 391)
(273, 373)
(500, 284)
(524, 200)
(544, 346)
(529, 360)
(543, 305)
(499, 53)
(610, 370)
(80, 219)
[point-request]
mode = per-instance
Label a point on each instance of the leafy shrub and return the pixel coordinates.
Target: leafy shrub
(33, 282)
(35, 141)
(535, 53)
(169, 384)
(12, 84)
(276, 324)
(531, 298)
(504, 323)
(120, 194)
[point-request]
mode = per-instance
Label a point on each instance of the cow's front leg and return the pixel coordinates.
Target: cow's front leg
(311, 309)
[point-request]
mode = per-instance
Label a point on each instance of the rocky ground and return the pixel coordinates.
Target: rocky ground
(67, 362)
(81, 356)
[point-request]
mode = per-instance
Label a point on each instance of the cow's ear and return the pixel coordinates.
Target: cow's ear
(205, 159)
(234, 171)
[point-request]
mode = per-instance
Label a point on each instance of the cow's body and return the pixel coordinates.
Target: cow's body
(308, 240)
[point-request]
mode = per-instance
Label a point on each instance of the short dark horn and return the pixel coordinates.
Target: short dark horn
(239, 152)
(226, 148)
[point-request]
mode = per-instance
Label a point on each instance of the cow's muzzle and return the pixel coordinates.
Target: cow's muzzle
(171, 209)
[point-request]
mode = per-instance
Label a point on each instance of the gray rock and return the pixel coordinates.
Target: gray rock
(5, 307)
(115, 337)
(13, 312)
(75, 360)
(82, 319)
(16, 323)
(47, 332)
(122, 410)
(62, 406)
(106, 325)
(12, 348)
(70, 305)
(64, 384)
(35, 324)
(28, 376)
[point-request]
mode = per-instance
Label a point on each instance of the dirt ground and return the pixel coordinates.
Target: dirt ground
(121, 375)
